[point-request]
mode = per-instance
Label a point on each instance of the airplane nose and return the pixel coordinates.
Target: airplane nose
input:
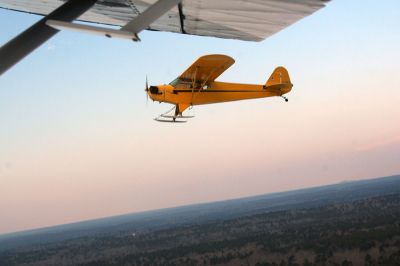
(154, 90)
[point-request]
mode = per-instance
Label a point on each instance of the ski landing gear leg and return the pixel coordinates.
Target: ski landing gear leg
(176, 117)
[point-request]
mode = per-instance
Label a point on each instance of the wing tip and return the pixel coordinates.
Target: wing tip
(217, 57)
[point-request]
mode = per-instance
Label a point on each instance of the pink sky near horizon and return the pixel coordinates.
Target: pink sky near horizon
(74, 153)
(107, 178)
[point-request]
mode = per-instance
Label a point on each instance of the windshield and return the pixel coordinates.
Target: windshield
(174, 82)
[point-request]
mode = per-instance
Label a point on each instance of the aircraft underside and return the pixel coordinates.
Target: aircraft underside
(250, 20)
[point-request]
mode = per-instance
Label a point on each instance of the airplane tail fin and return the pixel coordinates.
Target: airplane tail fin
(279, 76)
(279, 82)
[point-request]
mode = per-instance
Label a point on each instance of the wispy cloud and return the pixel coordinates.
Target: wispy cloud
(51, 47)
(373, 145)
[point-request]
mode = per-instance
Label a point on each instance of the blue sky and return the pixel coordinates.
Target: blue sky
(77, 139)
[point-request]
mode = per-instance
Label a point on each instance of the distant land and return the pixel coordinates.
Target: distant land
(350, 223)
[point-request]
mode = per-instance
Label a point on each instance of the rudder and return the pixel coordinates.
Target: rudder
(279, 76)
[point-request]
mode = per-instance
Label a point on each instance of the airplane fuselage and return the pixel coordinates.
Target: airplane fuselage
(216, 92)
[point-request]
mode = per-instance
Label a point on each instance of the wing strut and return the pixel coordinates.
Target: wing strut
(16, 49)
(22, 45)
(130, 30)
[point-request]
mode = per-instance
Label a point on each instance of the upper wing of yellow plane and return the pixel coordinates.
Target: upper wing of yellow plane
(204, 70)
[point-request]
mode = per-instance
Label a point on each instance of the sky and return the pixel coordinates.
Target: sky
(78, 140)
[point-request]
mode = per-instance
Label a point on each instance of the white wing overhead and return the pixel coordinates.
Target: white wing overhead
(249, 20)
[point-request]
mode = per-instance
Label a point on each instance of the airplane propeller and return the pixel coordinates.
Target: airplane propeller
(147, 90)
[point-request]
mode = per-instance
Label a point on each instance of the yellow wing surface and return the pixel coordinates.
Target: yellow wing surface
(203, 71)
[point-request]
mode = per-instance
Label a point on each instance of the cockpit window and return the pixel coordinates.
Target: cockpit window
(174, 82)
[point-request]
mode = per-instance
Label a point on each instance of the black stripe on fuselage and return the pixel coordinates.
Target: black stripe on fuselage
(176, 91)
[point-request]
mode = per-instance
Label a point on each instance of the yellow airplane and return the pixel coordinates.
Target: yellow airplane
(197, 86)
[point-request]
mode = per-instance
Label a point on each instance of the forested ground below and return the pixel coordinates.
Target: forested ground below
(357, 232)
